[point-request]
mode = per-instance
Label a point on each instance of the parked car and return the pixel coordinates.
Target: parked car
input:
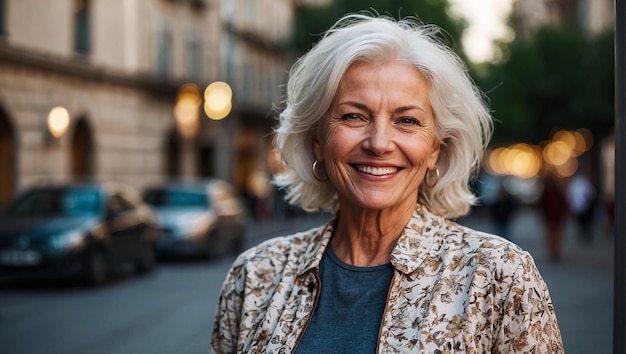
(79, 231)
(205, 218)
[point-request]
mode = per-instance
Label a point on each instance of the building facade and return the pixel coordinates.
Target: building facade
(594, 16)
(117, 67)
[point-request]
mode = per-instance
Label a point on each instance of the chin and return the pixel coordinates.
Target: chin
(376, 204)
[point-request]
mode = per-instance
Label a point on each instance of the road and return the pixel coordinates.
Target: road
(171, 310)
(168, 311)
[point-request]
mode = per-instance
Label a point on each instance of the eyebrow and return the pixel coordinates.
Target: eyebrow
(364, 107)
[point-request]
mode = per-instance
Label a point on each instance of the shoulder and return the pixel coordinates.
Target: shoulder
(496, 249)
(281, 246)
(280, 252)
(432, 244)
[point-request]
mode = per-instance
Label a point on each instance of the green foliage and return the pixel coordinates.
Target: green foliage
(556, 79)
(311, 22)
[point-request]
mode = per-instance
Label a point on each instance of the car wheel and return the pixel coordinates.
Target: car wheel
(96, 268)
(147, 258)
(237, 245)
(214, 247)
(209, 251)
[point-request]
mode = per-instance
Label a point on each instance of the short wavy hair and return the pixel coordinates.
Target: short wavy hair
(464, 125)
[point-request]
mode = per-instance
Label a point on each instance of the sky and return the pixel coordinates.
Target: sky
(485, 23)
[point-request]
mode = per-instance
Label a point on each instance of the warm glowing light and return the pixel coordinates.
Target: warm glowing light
(58, 121)
(581, 143)
(275, 162)
(567, 137)
(525, 162)
(218, 100)
(259, 185)
(567, 169)
(186, 110)
(494, 161)
(556, 153)
(558, 156)
(586, 133)
(217, 113)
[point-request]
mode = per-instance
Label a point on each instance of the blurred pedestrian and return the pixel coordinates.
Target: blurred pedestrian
(581, 197)
(383, 126)
(553, 208)
(502, 209)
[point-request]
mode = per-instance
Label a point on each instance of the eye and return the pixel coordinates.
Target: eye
(350, 117)
(408, 121)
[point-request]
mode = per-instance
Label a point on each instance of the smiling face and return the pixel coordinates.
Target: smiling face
(379, 136)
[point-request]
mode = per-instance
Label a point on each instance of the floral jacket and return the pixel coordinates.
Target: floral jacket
(454, 290)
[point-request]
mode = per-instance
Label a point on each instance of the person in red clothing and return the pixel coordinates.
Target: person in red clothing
(554, 210)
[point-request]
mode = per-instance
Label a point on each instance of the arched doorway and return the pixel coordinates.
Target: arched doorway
(172, 154)
(206, 161)
(82, 151)
(7, 159)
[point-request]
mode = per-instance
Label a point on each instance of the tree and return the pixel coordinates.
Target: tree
(311, 22)
(557, 78)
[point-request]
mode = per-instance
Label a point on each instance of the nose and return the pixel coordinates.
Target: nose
(378, 140)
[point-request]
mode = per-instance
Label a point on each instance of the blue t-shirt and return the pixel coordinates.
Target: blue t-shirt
(350, 308)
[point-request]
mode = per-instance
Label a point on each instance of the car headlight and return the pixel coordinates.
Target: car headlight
(194, 227)
(67, 239)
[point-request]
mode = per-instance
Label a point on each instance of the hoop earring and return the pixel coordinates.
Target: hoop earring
(428, 181)
(320, 176)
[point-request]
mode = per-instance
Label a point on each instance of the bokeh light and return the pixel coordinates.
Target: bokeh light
(58, 121)
(556, 152)
(186, 110)
(559, 155)
(218, 100)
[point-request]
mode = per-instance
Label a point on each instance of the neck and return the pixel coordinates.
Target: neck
(366, 237)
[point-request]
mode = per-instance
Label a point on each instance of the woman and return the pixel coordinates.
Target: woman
(554, 210)
(383, 126)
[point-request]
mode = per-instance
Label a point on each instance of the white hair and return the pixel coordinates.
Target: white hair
(463, 122)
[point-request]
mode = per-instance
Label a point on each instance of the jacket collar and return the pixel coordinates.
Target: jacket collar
(314, 251)
(416, 243)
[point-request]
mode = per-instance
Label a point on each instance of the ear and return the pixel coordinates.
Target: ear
(434, 155)
(317, 148)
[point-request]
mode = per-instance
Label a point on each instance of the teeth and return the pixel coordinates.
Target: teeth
(377, 171)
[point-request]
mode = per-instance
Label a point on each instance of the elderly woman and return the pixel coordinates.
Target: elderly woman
(384, 127)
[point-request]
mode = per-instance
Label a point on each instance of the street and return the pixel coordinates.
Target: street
(172, 309)
(168, 311)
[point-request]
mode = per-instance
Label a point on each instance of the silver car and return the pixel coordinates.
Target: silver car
(206, 219)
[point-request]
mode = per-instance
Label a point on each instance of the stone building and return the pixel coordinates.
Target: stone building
(116, 67)
(594, 16)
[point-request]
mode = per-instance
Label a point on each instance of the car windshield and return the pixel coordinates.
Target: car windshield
(62, 201)
(176, 198)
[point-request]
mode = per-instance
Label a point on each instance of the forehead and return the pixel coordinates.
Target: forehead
(394, 76)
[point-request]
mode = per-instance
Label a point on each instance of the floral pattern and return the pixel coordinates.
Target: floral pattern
(454, 290)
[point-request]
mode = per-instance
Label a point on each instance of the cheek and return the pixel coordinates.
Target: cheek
(419, 149)
(335, 141)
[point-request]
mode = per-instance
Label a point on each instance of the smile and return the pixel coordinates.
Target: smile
(377, 171)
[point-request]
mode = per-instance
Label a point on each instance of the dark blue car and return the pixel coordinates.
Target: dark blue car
(79, 231)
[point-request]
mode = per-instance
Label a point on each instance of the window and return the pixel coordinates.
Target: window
(81, 26)
(3, 14)
(194, 56)
(163, 47)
